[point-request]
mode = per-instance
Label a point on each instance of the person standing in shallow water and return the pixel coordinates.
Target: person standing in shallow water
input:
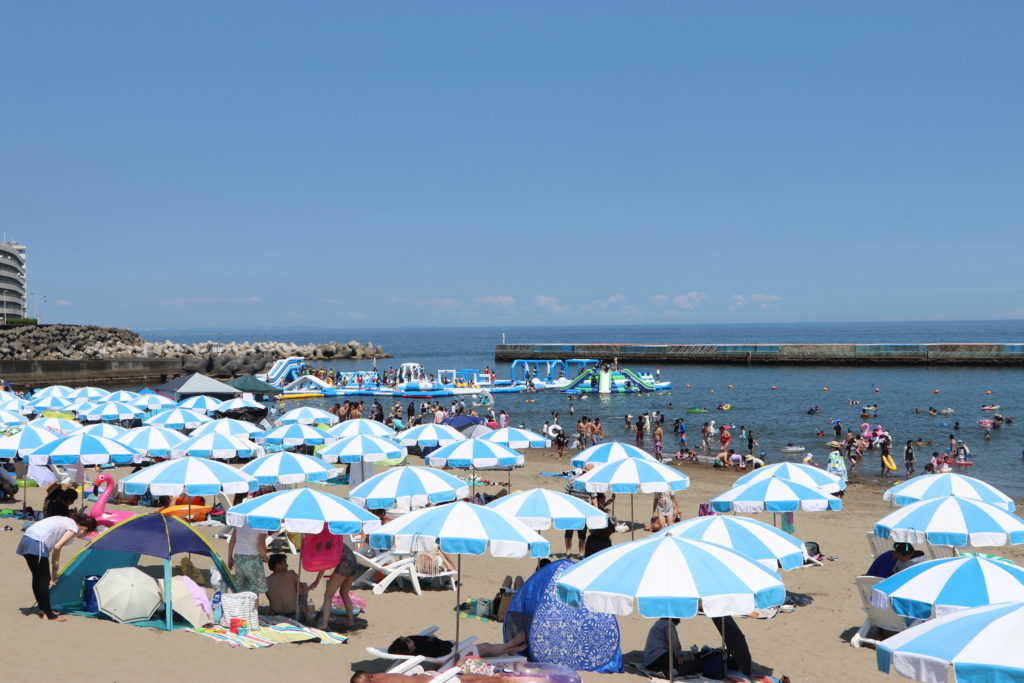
(908, 459)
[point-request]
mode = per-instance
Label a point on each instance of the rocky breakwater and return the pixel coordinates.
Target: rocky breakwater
(87, 342)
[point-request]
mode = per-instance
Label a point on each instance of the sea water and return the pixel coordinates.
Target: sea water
(776, 416)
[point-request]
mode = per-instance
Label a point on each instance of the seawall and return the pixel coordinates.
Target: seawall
(781, 354)
(89, 370)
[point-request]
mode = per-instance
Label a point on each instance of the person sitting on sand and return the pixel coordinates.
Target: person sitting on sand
(899, 558)
(284, 591)
(432, 646)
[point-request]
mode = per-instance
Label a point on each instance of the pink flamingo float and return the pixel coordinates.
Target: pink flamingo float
(99, 510)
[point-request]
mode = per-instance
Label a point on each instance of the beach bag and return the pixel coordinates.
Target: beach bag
(813, 550)
(240, 606)
(89, 601)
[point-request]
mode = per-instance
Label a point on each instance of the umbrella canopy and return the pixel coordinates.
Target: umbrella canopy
(475, 431)
(811, 477)
(958, 522)
(362, 448)
(669, 576)
(361, 427)
(294, 434)
(176, 418)
(103, 429)
(11, 419)
(460, 527)
(414, 486)
(25, 441)
(184, 603)
(947, 484)
(194, 476)
(111, 411)
(201, 404)
(87, 394)
(153, 441)
(14, 404)
(759, 541)
(50, 402)
(429, 435)
(951, 584)
(82, 407)
(475, 454)
(303, 511)
(127, 594)
(54, 390)
(982, 645)
(611, 451)
(149, 402)
(513, 437)
(231, 427)
(239, 403)
(57, 424)
(217, 446)
(288, 468)
(774, 495)
(632, 475)
(540, 508)
(84, 448)
(122, 396)
(307, 416)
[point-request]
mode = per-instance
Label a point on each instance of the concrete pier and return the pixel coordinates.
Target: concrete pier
(777, 354)
(38, 373)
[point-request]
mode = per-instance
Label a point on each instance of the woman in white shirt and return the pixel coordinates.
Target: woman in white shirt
(43, 540)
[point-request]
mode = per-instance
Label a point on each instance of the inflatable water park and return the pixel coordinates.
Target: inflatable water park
(411, 380)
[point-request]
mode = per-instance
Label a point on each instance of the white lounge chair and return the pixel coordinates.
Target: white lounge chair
(940, 552)
(878, 545)
(464, 648)
(388, 564)
(883, 619)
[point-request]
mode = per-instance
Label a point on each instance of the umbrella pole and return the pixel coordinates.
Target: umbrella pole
(168, 595)
(458, 603)
(298, 587)
(669, 628)
(632, 518)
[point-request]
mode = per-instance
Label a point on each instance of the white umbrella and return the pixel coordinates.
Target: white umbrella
(127, 594)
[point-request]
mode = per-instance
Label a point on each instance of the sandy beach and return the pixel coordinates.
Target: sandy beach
(810, 644)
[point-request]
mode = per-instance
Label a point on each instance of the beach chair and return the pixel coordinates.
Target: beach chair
(408, 667)
(462, 650)
(883, 619)
(940, 552)
(878, 545)
(390, 567)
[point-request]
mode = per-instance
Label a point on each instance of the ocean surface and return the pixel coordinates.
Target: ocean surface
(776, 416)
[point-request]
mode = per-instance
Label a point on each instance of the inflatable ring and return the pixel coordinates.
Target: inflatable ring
(889, 463)
(193, 513)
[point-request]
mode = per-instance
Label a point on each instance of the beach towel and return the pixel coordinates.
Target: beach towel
(273, 631)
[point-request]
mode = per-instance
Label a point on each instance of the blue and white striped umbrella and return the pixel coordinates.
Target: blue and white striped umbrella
(413, 487)
(15, 405)
(107, 431)
(10, 419)
(194, 476)
(156, 442)
(981, 645)
(540, 508)
(771, 547)
(25, 441)
(669, 576)
(122, 396)
(632, 475)
(774, 495)
(84, 448)
(240, 403)
(80, 407)
(87, 394)
(611, 451)
(231, 427)
(362, 448)
(50, 402)
(176, 418)
(947, 484)
(429, 435)
(288, 468)
(361, 427)
(513, 437)
(307, 416)
(148, 402)
(809, 476)
(111, 411)
(57, 424)
(201, 404)
(216, 446)
(53, 390)
(294, 434)
(951, 584)
(474, 454)
(460, 528)
(958, 522)
(302, 511)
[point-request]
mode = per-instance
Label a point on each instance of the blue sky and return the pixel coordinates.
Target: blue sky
(364, 165)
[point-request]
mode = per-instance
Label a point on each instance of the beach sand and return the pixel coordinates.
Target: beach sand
(810, 644)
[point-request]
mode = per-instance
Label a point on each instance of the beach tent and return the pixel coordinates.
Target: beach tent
(248, 383)
(556, 633)
(126, 545)
(195, 384)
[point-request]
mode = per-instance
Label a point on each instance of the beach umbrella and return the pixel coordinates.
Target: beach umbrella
(54, 390)
(229, 426)
(82, 448)
(177, 418)
(475, 431)
(288, 468)
(294, 434)
(307, 416)
(201, 404)
(87, 394)
(632, 476)
(429, 435)
(184, 603)
(80, 407)
(156, 442)
(127, 594)
(103, 429)
(474, 454)
(15, 405)
(460, 528)
(539, 509)
(959, 522)
(362, 448)
(931, 589)
(361, 427)
(980, 645)
(807, 475)
(759, 541)
(412, 487)
(216, 446)
(148, 402)
(25, 441)
(11, 419)
(111, 411)
(194, 476)
(57, 424)
(50, 402)
(947, 484)
(240, 403)
(774, 495)
(302, 511)
(122, 396)
(611, 451)
(513, 437)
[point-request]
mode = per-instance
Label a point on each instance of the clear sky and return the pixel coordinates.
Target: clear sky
(235, 164)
